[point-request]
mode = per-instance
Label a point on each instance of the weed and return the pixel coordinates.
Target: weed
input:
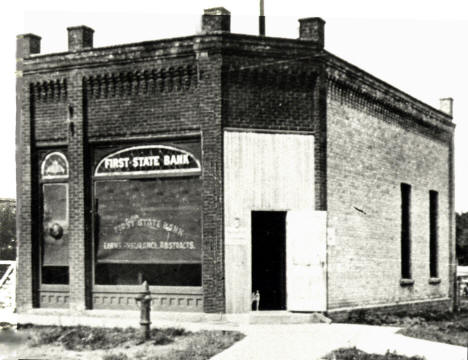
(203, 345)
(355, 354)
(119, 356)
(161, 338)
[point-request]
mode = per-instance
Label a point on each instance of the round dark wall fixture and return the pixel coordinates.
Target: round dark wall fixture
(56, 231)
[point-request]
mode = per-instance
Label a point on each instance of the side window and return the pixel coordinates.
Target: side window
(406, 231)
(433, 233)
(55, 232)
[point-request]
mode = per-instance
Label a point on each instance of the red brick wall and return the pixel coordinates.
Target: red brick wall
(25, 279)
(369, 155)
(50, 110)
(210, 117)
(111, 104)
(259, 97)
(150, 101)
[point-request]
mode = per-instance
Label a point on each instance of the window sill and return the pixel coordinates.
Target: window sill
(54, 287)
(406, 282)
(434, 281)
(154, 289)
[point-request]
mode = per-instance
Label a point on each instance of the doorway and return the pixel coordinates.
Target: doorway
(269, 258)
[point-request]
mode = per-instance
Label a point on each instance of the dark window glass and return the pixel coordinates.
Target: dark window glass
(55, 275)
(55, 233)
(433, 232)
(406, 231)
(154, 274)
(148, 229)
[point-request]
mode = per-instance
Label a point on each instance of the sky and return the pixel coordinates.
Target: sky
(418, 46)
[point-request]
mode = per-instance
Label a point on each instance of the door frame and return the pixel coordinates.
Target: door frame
(283, 270)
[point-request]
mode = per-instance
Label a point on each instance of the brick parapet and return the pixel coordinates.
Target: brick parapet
(349, 83)
(133, 55)
(387, 111)
(269, 93)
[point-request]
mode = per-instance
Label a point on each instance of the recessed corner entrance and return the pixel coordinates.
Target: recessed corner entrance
(269, 258)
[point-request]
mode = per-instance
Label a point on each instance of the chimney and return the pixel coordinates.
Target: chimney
(27, 44)
(312, 29)
(79, 38)
(216, 20)
(446, 105)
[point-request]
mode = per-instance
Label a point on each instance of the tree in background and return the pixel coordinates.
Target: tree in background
(462, 238)
(7, 230)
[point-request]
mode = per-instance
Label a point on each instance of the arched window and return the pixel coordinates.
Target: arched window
(54, 166)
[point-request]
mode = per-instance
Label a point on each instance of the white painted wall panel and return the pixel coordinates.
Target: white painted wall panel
(261, 172)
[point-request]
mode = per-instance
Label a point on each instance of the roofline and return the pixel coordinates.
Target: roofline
(364, 74)
(110, 47)
(174, 39)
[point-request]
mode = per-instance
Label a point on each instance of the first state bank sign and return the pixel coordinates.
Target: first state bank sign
(148, 160)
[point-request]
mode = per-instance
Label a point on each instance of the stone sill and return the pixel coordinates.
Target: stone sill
(406, 282)
(434, 281)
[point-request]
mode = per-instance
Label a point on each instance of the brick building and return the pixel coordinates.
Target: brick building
(219, 164)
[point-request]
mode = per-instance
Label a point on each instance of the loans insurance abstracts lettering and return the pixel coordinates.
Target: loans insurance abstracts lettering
(151, 223)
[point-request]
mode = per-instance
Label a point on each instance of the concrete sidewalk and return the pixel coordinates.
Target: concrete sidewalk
(296, 341)
(313, 341)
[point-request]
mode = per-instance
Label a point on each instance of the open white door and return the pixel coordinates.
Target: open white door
(306, 254)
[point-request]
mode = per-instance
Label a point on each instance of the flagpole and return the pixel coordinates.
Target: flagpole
(261, 19)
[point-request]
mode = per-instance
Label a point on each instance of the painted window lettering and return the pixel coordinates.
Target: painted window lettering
(148, 160)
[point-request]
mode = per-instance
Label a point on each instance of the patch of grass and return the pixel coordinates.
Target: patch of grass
(355, 354)
(126, 344)
(80, 338)
(202, 345)
(442, 326)
(450, 332)
(405, 318)
(401, 318)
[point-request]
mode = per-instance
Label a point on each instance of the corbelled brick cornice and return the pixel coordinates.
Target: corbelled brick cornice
(348, 82)
(149, 81)
(50, 91)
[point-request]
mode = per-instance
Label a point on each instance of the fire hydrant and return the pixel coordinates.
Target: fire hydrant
(145, 309)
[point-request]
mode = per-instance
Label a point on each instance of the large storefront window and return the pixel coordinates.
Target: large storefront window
(148, 228)
(55, 237)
